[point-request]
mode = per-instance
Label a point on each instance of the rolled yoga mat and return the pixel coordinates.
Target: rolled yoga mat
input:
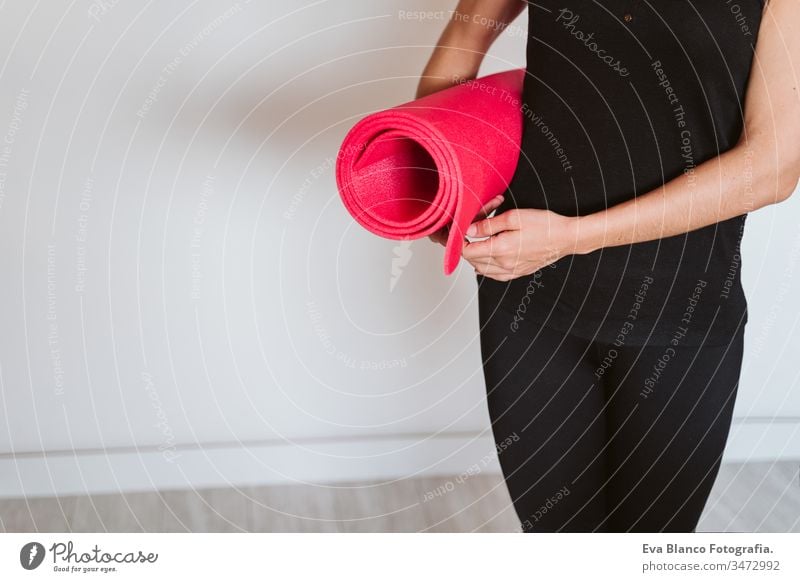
(406, 172)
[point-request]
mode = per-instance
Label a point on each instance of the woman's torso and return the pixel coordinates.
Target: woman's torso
(621, 97)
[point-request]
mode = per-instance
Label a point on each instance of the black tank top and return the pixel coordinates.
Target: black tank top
(620, 97)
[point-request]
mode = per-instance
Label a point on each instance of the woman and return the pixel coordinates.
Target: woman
(611, 309)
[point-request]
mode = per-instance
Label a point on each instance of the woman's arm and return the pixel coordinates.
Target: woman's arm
(473, 27)
(762, 169)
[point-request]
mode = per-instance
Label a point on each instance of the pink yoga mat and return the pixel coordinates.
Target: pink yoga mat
(406, 172)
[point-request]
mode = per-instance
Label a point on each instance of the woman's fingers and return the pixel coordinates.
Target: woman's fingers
(509, 220)
(489, 207)
(491, 270)
(440, 236)
(480, 251)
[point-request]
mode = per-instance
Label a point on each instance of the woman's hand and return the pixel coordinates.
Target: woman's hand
(521, 241)
(440, 236)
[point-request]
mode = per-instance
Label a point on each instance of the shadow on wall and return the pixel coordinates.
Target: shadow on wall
(369, 59)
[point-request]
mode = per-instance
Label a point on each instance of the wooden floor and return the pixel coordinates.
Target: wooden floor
(753, 497)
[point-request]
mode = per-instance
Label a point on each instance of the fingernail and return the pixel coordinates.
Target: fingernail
(471, 231)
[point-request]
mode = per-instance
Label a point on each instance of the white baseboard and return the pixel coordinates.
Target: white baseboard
(243, 464)
(313, 462)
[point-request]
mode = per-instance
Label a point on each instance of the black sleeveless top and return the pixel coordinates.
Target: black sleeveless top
(620, 97)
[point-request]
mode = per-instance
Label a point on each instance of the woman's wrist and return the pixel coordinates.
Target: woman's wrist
(446, 68)
(588, 232)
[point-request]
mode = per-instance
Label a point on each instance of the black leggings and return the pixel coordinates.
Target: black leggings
(598, 438)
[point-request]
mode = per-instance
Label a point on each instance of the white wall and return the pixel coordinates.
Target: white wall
(185, 300)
